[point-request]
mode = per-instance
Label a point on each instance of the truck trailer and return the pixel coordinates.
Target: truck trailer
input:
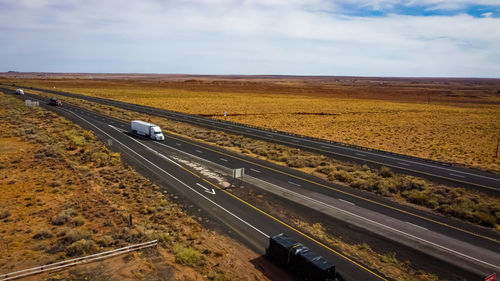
(306, 264)
(55, 102)
(147, 129)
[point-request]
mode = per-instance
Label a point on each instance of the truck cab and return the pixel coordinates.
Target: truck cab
(155, 133)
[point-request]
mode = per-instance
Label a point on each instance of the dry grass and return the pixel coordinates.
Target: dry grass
(59, 201)
(462, 130)
(468, 205)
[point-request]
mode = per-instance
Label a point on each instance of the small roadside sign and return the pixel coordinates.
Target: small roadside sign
(225, 114)
(238, 173)
(491, 277)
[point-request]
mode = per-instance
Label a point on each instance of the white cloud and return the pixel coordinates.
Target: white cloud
(231, 36)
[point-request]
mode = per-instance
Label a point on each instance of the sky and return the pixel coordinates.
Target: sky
(407, 38)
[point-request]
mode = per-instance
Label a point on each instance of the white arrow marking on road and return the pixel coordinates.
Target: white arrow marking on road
(206, 189)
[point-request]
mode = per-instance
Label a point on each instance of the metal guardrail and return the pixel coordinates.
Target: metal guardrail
(76, 261)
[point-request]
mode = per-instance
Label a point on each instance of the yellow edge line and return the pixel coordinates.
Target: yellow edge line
(343, 192)
(347, 193)
(284, 223)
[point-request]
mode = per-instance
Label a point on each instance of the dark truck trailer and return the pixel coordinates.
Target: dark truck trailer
(305, 263)
(55, 102)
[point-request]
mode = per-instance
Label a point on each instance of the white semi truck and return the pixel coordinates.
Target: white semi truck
(20, 91)
(147, 129)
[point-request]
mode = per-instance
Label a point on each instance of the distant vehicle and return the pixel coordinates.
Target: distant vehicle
(20, 91)
(147, 129)
(306, 264)
(55, 102)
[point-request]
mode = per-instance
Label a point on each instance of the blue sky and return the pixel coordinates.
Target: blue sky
(427, 38)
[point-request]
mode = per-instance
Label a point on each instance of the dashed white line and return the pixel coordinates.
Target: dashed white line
(455, 175)
(257, 171)
(359, 154)
(325, 147)
(178, 144)
(296, 141)
(404, 164)
(268, 135)
(225, 160)
(417, 226)
(296, 184)
(199, 151)
(345, 201)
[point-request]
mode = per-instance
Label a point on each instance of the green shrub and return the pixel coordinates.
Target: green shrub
(105, 241)
(417, 197)
(389, 258)
(60, 219)
(75, 137)
(78, 221)
(186, 255)
(81, 247)
(385, 172)
(74, 235)
(43, 234)
(64, 216)
(163, 237)
(342, 176)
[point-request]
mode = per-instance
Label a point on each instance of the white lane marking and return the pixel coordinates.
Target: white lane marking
(404, 164)
(417, 226)
(257, 171)
(112, 122)
(178, 144)
(268, 135)
(455, 175)
(296, 141)
(291, 182)
(225, 160)
(345, 201)
(199, 151)
(248, 131)
(325, 147)
(170, 175)
(388, 227)
(206, 189)
(102, 119)
(359, 154)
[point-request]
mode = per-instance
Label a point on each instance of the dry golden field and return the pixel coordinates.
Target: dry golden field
(461, 124)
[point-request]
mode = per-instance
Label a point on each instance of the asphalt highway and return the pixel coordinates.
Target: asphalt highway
(483, 181)
(469, 244)
(253, 225)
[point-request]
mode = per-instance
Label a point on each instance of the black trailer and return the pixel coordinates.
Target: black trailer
(298, 258)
